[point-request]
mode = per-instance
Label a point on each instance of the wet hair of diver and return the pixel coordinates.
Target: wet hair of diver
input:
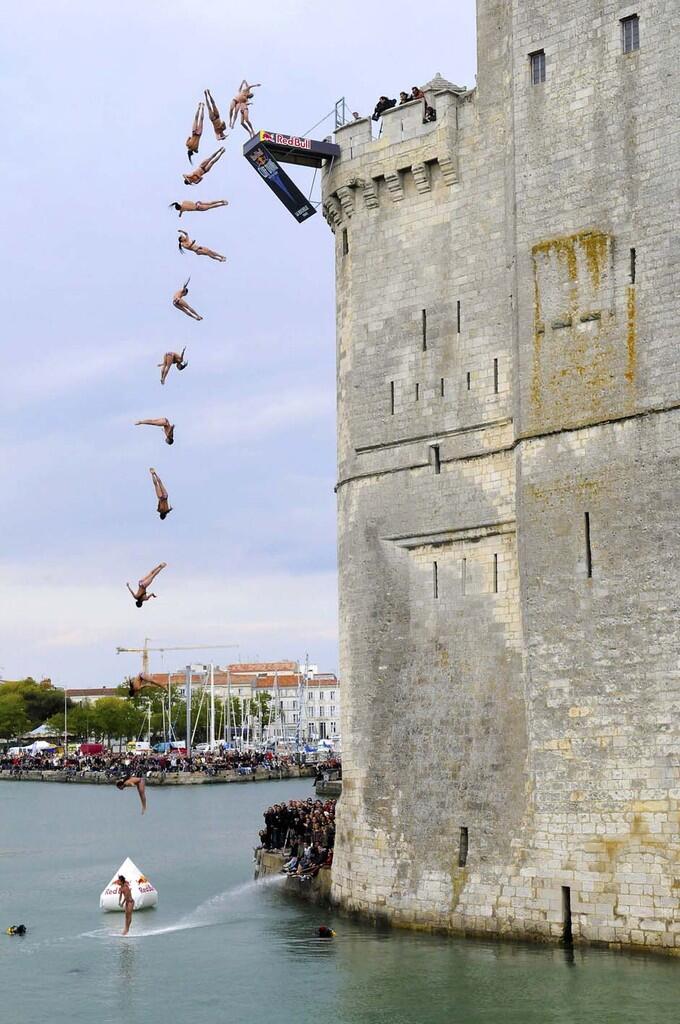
(139, 603)
(177, 206)
(162, 514)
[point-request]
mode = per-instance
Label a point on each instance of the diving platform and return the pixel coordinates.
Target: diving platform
(266, 151)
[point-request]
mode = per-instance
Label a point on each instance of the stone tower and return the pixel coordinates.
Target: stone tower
(508, 489)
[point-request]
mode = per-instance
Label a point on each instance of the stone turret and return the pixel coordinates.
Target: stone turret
(508, 402)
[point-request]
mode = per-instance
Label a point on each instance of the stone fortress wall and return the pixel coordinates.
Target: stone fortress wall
(508, 448)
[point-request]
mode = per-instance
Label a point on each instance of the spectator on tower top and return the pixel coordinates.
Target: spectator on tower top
(381, 106)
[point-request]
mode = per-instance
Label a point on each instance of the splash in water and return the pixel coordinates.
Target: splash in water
(206, 915)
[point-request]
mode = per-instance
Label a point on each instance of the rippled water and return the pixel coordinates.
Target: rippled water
(221, 948)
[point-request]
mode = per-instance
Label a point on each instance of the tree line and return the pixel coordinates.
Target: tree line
(27, 704)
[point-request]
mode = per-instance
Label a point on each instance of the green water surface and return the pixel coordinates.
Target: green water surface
(220, 948)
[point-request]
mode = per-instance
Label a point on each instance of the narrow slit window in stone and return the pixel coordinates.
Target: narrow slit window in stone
(463, 847)
(589, 552)
(567, 936)
(537, 62)
(630, 33)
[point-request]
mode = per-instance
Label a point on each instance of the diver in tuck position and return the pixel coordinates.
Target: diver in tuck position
(171, 359)
(140, 594)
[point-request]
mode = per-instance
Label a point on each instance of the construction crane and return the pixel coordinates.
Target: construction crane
(146, 650)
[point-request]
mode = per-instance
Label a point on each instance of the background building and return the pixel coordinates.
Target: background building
(508, 448)
(303, 701)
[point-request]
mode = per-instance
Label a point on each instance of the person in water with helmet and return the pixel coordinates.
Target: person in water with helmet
(16, 929)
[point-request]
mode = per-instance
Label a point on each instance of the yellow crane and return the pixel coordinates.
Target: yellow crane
(146, 650)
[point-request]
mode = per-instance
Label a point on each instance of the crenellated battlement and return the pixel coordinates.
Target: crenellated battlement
(370, 169)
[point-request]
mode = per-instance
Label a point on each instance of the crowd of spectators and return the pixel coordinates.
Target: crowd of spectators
(122, 765)
(303, 829)
(385, 103)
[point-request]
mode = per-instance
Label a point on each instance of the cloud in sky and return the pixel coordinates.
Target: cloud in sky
(97, 102)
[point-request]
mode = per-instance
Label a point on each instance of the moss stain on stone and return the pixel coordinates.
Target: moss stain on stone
(631, 333)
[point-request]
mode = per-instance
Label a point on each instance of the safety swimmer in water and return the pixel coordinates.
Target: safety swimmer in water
(185, 242)
(163, 505)
(16, 929)
(205, 165)
(134, 780)
(187, 206)
(140, 595)
(171, 359)
(126, 901)
(179, 302)
(164, 422)
(196, 131)
(325, 932)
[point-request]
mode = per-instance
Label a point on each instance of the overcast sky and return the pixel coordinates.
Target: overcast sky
(97, 100)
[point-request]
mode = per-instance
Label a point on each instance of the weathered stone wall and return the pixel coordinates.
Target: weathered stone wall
(500, 375)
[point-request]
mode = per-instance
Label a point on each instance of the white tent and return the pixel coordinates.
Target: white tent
(143, 892)
(39, 746)
(41, 731)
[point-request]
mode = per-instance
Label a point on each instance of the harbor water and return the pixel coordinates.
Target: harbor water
(223, 948)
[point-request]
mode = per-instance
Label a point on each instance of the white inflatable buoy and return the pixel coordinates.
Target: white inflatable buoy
(143, 892)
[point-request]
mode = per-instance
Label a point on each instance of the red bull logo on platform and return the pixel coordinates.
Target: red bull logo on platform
(285, 140)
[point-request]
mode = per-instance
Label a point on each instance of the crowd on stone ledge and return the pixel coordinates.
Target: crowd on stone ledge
(305, 829)
(385, 103)
(125, 764)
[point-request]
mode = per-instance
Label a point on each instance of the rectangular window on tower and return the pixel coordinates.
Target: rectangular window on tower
(630, 33)
(345, 242)
(537, 65)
